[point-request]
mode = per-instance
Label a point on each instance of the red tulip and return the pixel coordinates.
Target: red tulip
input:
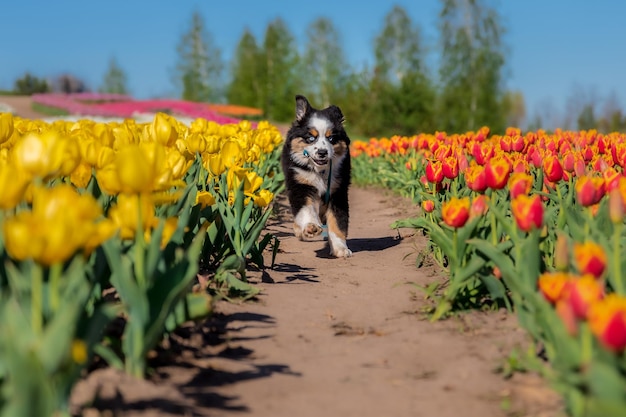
(480, 206)
(589, 190)
(434, 172)
(475, 178)
(497, 172)
(450, 167)
(590, 258)
(528, 212)
(552, 168)
(428, 206)
(581, 292)
(482, 152)
(455, 212)
(611, 178)
(520, 183)
(607, 320)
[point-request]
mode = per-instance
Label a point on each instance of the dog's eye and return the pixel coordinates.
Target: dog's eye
(331, 139)
(311, 139)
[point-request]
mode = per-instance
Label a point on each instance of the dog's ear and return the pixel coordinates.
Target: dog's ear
(336, 113)
(302, 107)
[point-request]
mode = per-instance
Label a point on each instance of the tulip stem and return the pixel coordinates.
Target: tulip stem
(586, 353)
(37, 299)
(140, 244)
(55, 278)
(618, 285)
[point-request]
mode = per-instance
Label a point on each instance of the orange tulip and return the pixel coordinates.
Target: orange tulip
(590, 258)
(528, 212)
(455, 212)
(551, 285)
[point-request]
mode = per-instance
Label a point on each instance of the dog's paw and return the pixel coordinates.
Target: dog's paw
(311, 230)
(342, 253)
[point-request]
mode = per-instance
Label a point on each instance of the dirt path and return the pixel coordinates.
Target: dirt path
(335, 337)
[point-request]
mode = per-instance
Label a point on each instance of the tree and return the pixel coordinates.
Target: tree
(326, 65)
(402, 92)
(245, 86)
(472, 60)
(279, 72)
(114, 79)
(29, 84)
(199, 69)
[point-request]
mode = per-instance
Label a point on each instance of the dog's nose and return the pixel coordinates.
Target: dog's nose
(322, 153)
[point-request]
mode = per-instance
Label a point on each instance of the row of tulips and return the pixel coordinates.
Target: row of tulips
(533, 222)
(100, 221)
(117, 105)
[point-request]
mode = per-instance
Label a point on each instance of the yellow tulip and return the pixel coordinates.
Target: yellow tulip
(205, 199)
(196, 142)
(134, 170)
(163, 129)
(232, 154)
(19, 232)
(46, 155)
(214, 164)
(61, 222)
(13, 184)
(126, 211)
(171, 224)
(263, 198)
(6, 126)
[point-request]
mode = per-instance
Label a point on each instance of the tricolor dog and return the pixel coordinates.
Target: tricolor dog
(316, 163)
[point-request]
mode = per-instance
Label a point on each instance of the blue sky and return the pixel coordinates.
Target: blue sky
(555, 47)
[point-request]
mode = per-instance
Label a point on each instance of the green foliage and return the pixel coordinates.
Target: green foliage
(470, 73)
(115, 81)
(245, 87)
(324, 62)
(30, 84)
(278, 76)
(198, 71)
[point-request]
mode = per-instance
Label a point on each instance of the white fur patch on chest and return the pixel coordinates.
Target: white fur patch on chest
(318, 178)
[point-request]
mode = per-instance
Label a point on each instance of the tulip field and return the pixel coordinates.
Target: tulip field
(531, 222)
(101, 221)
(107, 221)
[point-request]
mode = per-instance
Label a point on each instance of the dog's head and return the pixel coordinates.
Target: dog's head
(317, 136)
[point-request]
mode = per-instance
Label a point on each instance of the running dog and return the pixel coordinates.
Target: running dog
(316, 164)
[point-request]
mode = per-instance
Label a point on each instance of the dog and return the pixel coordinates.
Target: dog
(316, 163)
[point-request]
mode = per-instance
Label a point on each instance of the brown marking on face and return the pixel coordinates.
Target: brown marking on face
(333, 227)
(329, 133)
(314, 132)
(298, 145)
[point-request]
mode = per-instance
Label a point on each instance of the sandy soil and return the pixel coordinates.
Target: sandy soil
(333, 337)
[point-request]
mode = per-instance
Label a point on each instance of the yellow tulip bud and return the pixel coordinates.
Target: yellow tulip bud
(163, 129)
(6, 126)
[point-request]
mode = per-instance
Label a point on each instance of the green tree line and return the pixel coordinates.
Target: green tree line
(399, 94)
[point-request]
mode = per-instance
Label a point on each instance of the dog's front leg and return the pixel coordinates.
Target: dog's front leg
(307, 222)
(337, 222)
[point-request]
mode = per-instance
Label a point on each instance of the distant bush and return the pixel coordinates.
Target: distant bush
(29, 84)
